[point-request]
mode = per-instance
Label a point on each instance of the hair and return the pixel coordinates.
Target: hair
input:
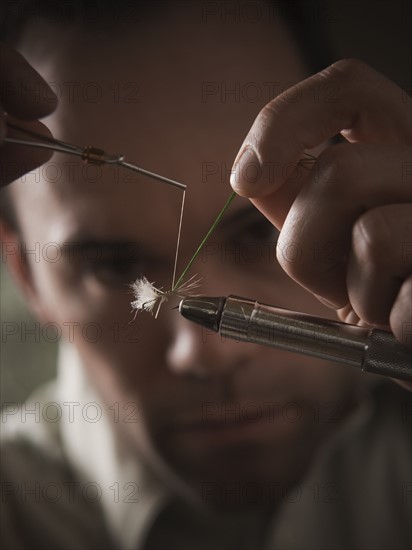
(302, 17)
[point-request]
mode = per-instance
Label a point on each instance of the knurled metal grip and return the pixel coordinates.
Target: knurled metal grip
(385, 355)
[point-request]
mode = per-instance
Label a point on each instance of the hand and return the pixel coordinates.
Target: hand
(346, 224)
(24, 95)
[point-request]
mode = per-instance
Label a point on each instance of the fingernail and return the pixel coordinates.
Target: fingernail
(246, 171)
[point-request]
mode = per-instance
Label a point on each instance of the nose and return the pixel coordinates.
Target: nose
(203, 353)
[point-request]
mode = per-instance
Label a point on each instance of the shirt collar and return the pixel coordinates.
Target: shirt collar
(131, 496)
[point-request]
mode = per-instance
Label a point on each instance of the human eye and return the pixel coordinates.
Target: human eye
(258, 230)
(251, 241)
(112, 271)
(253, 231)
(118, 269)
(114, 264)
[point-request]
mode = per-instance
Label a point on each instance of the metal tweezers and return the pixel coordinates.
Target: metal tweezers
(91, 155)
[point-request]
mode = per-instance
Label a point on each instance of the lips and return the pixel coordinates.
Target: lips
(235, 426)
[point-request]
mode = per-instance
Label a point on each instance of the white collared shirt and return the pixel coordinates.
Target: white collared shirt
(130, 496)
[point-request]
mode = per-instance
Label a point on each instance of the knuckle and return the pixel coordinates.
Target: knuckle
(370, 240)
(284, 104)
(335, 169)
(400, 318)
(289, 254)
(272, 115)
(272, 110)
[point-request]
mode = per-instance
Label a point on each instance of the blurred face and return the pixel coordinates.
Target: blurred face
(177, 97)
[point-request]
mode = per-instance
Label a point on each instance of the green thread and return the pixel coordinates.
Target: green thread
(214, 225)
(310, 158)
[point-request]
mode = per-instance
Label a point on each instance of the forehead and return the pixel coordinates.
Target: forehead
(176, 96)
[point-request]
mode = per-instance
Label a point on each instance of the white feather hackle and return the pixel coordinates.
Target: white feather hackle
(148, 297)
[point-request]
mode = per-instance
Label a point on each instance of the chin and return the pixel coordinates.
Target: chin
(244, 475)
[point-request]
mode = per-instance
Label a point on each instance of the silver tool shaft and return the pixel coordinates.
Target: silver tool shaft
(372, 350)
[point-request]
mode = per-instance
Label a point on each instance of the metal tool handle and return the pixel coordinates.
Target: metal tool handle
(372, 350)
(385, 355)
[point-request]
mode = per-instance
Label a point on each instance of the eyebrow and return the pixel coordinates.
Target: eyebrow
(124, 249)
(95, 248)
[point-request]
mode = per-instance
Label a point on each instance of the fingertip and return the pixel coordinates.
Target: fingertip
(17, 160)
(245, 172)
(49, 101)
(24, 92)
(250, 177)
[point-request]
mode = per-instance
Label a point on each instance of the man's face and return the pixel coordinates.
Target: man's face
(176, 97)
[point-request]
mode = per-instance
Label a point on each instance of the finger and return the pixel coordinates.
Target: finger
(401, 314)
(380, 260)
(347, 97)
(348, 180)
(276, 205)
(347, 315)
(16, 160)
(23, 92)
